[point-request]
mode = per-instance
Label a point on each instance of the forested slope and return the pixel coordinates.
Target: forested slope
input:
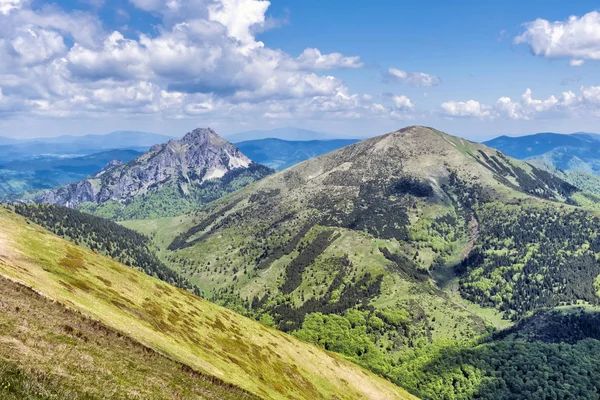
(208, 339)
(393, 248)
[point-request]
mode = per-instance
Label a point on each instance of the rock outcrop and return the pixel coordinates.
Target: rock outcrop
(201, 155)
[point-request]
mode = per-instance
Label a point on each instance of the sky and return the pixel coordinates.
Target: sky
(475, 69)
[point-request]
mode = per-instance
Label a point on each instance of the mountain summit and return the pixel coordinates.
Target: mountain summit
(182, 167)
(398, 241)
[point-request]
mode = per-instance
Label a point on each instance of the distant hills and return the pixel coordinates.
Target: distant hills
(11, 149)
(280, 154)
(45, 163)
(577, 151)
(573, 157)
(46, 172)
(290, 133)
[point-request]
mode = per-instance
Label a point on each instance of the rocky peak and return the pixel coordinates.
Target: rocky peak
(201, 155)
(111, 164)
(199, 136)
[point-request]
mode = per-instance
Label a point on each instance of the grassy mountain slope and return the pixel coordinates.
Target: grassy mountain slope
(173, 322)
(103, 236)
(51, 352)
(586, 181)
(388, 247)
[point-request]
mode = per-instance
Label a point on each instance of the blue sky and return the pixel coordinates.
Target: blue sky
(476, 69)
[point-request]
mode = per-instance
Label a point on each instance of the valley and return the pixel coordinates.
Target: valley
(283, 200)
(206, 338)
(380, 252)
(422, 271)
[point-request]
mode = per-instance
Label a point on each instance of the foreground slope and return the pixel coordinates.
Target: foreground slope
(389, 247)
(51, 352)
(173, 322)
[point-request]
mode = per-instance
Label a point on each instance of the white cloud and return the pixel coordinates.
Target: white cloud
(313, 59)
(135, 96)
(470, 108)
(419, 79)
(6, 6)
(403, 103)
(590, 94)
(37, 45)
(239, 17)
(148, 5)
(576, 63)
(400, 107)
(199, 56)
(202, 60)
(118, 58)
(577, 38)
(528, 108)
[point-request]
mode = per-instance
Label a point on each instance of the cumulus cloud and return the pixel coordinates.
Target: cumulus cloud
(398, 106)
(7, 6)
(527, 108)
(239, 16)
(402, 102)
(577, 38)
(203, 59)
(418, 79)
(470, 108)
(313, 59)
(37, 45)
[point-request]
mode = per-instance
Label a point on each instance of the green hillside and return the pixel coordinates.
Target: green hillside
(391, 247)
(52, 352)
(550, 355)
(211, 341)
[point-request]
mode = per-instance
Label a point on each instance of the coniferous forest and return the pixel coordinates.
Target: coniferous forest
(104, 236)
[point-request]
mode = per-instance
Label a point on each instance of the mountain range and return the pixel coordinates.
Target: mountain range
(577, 151)
(441, 264)
(280, 154)
(398, 251)
(289, 133)
(573, 157)
(12, 149)
(46, 172)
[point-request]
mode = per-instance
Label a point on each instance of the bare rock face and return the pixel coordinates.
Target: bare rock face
(201, 155)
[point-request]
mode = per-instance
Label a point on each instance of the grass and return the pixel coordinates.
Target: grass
(51, 352)
(227, 260)
(209, 339)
